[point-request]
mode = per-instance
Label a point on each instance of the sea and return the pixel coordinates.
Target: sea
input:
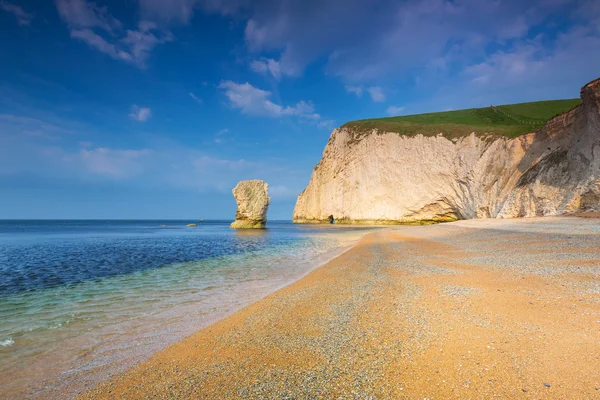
(81, 301)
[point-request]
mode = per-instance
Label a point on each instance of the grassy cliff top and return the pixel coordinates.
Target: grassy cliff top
(510, 120)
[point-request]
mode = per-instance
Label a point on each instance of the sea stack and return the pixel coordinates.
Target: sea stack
(253, 201)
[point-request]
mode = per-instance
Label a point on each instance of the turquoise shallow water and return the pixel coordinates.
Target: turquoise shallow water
(82, 300)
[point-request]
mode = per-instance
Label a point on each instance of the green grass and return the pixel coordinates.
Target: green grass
(508, 120)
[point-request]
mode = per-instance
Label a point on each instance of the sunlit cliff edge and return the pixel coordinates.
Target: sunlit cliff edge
(377, 176)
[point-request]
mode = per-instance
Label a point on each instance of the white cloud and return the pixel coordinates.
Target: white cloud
(326, 124)
(511, 64)
(265, 35)
(357, 90)
(173, 10)
(208, 163)
(394, 110)
(113, 162)
(141, 43)
(23, 17)
(196, 98)
(161, 163)
(522, 73)
(376, 94)
(365, 43)
(301, 109)
(219, 136)
(140, 114)
(200, 171)
(182, 11)
(18, 125)
(100, 30)
(99, 43)
(266, 66)
(80, 14)
(86, 163)
(253, 101)
(134, 48)
(249, 99)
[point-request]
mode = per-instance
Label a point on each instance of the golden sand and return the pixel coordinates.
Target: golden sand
(443, 312)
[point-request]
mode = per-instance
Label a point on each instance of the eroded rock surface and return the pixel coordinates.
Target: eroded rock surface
(386, 177)
(253, 201)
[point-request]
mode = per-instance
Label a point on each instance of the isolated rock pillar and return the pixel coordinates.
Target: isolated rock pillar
(253, 201)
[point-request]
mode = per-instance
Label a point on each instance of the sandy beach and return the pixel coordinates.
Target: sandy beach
(474, 309)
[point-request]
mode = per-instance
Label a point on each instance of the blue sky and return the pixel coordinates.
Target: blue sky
(157, 108)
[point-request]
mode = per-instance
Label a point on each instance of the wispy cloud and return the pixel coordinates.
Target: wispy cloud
(364, 43)
(521, 73)
(266, 66)
(532, 63)
(207, 163)
(23, 17)
(219, 136)
(80, 14)
(80, 158)
(253, 101)
(141, 42)
(101, 31)
(11, 124)
(326, 124)
(180, 11)
(357, 90)
(114, 163)
(196, 98)
(376, 94)
(99, 43)
(140, 114)
(394, 110)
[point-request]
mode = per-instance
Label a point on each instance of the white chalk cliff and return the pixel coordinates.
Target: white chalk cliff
(385, 177)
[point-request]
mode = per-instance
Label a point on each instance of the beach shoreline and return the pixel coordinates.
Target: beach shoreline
(470, 309)
(71, 357)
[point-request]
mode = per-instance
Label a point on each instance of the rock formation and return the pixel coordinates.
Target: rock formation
(385, 177)
(253, 200)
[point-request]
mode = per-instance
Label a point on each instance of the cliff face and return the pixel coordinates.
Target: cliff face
(384, 177)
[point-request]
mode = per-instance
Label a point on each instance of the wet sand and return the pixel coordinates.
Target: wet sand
(475, 309)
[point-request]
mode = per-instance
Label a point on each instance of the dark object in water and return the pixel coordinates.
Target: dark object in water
(331, 219)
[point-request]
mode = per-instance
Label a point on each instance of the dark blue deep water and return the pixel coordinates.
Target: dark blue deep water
(41, 254)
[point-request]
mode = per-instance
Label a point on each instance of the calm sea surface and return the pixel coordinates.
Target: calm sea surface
(82, 300)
